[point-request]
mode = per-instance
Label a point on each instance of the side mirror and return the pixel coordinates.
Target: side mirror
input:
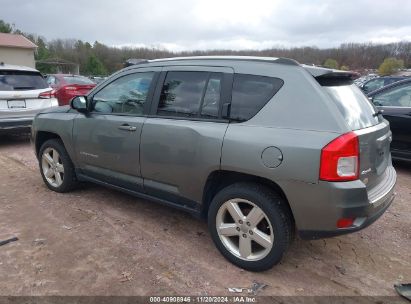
(80, 104)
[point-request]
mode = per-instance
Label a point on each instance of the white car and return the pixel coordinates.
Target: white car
(23, 93)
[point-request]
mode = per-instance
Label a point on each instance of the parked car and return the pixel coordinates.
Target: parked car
(258, 146)
(395, 102)
(361, 80)
(23, 93)
(379, 82)
(67, 86)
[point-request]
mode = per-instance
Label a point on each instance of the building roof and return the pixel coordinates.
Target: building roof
(4, 66)
(18, 41)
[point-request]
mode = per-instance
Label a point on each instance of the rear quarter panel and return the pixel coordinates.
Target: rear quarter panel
(299, 169)
(301, 150)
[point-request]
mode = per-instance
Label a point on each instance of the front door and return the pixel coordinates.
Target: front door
(107, 140)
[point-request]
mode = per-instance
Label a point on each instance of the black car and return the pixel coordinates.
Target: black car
(377, 83)
(395, 101)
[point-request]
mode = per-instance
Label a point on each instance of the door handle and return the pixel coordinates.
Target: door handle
(127, 128)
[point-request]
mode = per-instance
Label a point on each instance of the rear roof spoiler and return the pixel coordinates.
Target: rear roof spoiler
(328, 77)
(330, 73)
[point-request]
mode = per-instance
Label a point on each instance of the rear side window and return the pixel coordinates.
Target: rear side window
(251, 93)
(77, 80)
(354, 106)
(21, 81)
(191, 94)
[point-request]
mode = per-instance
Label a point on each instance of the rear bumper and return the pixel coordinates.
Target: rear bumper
(15, 124)
(362, 223)
(326, 203)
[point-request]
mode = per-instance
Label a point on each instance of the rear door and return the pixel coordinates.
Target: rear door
(182, 139)
(107, 140)
(372, 130)
(396, 104)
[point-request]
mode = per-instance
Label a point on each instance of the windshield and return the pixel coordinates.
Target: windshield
(355, 107)
(21, 80)
(77, 80)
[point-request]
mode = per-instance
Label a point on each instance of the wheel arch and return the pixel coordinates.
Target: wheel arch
(42, 137)
(220, 179)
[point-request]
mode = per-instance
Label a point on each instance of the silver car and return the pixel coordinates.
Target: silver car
(260, 147)
(23, 93)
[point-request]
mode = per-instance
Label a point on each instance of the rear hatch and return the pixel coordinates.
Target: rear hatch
(362, 118)
(23, 94)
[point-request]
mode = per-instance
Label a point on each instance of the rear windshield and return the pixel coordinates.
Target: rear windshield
(355, 107)
(77, 80)
(21, 81)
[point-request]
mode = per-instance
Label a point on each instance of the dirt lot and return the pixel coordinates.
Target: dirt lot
(96, 241)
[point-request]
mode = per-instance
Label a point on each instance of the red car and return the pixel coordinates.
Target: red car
(67, 86)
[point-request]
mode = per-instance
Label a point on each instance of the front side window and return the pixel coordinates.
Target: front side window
(396, 97)
(251, 93)
(191, 94)
(125, 95)
(51, 80)
(373, 85)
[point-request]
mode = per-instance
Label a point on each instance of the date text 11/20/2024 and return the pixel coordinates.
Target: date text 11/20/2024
(203, 299)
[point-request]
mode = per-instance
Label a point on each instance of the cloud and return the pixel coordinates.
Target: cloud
(214, 24)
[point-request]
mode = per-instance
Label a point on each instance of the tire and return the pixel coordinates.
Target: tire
(274, 228)
(60, 163)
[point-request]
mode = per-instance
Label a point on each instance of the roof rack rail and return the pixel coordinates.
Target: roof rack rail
(134, 61)
(280, 60)
(288, 61)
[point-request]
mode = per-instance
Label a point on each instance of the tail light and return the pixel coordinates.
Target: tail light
(345, 222)
(47, 94)
(70, 88)
(340, 159)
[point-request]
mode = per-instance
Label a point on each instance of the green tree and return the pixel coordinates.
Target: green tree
(5, 27)
(331, 63)
(43, 53)
(94, 66)
(345, 68)
(390, 66)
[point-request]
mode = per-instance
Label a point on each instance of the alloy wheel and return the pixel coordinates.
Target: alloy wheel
(52, 167)
(244, 229)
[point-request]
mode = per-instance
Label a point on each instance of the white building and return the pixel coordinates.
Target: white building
(17, 50)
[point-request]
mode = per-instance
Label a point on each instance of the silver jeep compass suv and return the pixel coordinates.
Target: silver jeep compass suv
(260, 147)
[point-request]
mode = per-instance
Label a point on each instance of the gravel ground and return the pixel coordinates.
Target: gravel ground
(97, 241)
